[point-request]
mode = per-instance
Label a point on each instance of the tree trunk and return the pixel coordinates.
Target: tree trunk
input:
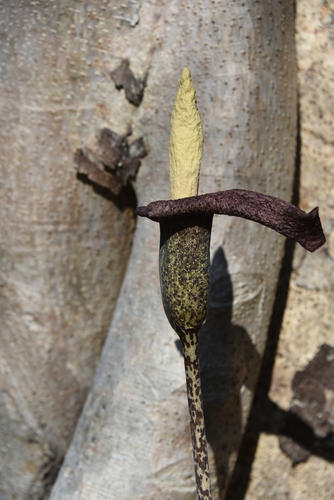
(133, 438)
(308, 319)
(63, 247)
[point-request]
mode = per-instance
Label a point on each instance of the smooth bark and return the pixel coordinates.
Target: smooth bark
(63, 247)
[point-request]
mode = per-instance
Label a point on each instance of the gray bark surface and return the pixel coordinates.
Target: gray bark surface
(133, 439)
(63, 247)
(309, 314)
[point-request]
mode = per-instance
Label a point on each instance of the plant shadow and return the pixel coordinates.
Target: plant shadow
(226, 355)
(265, 415)
(228, 358)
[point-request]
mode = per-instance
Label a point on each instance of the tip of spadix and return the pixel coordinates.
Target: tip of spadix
(186, 140)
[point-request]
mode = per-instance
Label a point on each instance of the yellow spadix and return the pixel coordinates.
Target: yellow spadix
(186, 140)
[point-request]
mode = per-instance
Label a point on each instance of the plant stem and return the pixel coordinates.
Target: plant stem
(197, 427)
(185, 285)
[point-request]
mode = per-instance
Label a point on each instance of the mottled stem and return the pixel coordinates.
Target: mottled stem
(197, 427)
(185, 285)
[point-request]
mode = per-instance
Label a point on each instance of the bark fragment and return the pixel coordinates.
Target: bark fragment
(114, 163)
(124, 78)
(311, 404)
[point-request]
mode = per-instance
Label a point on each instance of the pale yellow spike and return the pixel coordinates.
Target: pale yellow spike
(186, 140)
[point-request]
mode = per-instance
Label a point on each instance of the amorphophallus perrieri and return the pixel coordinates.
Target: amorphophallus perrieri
(184, 258)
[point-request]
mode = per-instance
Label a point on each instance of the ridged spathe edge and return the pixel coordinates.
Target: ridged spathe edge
(279, 215)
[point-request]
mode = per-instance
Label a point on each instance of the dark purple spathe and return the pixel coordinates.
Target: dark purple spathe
(283, 217)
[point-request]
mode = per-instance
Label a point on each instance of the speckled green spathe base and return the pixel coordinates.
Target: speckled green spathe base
(184, 261)
(185, 286)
